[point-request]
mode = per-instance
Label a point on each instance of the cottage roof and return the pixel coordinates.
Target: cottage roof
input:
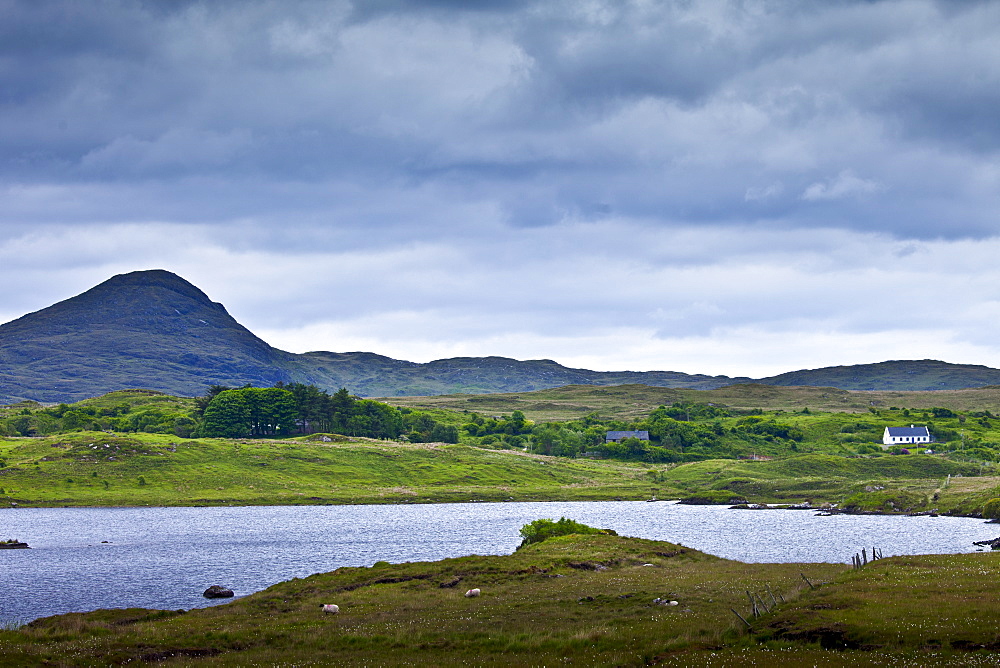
(618, 435)
(908, 431)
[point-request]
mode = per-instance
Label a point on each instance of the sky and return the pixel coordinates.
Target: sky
(708, 186)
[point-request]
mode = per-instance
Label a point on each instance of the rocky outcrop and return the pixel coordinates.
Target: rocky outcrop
(13, 545)
(216, 591)
(992, 544)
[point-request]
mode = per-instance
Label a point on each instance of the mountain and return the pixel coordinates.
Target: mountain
(154, 330)
(149, 329)
(374, 375)
(900, 375)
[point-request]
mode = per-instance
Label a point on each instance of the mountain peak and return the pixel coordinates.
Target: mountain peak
(153, 278)
(150, 328)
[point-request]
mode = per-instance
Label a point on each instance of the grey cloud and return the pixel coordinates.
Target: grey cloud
(536, 163)
(668, 111)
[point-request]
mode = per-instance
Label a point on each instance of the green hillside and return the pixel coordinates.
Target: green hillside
(632, 401)
(99, 469)
(140, 447)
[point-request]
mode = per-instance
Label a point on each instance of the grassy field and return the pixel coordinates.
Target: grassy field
(573, 600)
(635, 401)
(817, 460)
(576, 600)
(99, 469)
(915, 483)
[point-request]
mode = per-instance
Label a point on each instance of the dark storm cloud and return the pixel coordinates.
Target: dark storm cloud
(675, 111)
(688, 166)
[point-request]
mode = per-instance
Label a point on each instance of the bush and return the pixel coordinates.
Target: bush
(713, 497)
(991, 509)
(539, 530)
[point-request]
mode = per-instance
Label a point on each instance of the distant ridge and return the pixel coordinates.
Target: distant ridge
(155, 330)
(901, 375)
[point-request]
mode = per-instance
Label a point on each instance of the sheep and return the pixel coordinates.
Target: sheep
(472, 593)
(331, 608)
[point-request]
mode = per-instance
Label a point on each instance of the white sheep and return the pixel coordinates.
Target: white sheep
(472, 593)
(331, 608)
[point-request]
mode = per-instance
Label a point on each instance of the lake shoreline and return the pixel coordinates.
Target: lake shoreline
(377, 501)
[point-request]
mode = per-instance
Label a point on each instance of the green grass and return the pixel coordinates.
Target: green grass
(867, 482)
(636, 401)
(929, 602)
(139, 399)
(572, 600)
(98, 469)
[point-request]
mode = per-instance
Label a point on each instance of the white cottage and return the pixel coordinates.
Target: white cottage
(905, 435)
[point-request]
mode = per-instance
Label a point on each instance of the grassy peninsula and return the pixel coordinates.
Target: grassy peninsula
(593, 600)
(99, 469)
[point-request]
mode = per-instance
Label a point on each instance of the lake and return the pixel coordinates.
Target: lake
(166, 557)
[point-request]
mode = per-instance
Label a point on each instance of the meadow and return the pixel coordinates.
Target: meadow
(590, 600)
(99, 469)
(765, 446)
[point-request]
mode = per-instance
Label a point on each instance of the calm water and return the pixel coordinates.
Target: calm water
(165, 557)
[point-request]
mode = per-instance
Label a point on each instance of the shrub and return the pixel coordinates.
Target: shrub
(713, 497)
(991, 509)
(539, 530)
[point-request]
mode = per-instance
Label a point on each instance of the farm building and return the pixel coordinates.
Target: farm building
(616, 436)
(907, 435)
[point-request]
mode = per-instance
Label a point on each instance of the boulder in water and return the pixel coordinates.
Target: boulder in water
(215, 591)
(12, 544)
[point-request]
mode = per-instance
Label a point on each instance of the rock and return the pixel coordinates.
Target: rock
(992, 544)
(215, 591)
(13, 545)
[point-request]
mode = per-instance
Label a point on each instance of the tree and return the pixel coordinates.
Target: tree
(341, 407)
(312, 407)
(201, 403)
(444, 433)
(516, 424)
(227, 415)
(374, 419)
(271, 410)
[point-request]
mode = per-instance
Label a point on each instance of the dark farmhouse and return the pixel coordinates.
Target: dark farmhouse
(617, 436)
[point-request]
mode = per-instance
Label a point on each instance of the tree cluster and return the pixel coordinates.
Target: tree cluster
(298, 408)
